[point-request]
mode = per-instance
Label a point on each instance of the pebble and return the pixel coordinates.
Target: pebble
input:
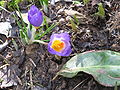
(68, 18)
(62, 20)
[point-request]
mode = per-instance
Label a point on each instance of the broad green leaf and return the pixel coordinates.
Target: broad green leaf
(104, 66)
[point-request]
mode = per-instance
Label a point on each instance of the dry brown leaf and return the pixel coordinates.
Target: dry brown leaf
(94, 2)
(74, 13)
(6, 78)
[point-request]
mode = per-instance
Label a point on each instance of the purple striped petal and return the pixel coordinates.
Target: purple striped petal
(63, 37)
(35, 16)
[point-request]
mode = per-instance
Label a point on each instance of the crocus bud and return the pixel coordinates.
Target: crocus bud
(60, 44)
(35, 16)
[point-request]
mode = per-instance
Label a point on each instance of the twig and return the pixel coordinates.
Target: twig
(5, 9)
(5, 60)
(31, 81)
(55, 77)
(20, 82)
(4, 66)
(39, 41)
(32, 62)
(79, 84)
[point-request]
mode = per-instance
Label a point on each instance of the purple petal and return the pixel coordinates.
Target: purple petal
(67, 51)
(53, 36)
(50, 49)
(36, 20)
(33, 10)
(35, 16)
(65, 38)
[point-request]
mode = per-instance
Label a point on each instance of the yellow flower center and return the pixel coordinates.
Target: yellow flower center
(57, 45)
(37, 27)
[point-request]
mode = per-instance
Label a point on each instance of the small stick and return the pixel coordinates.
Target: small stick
(31, 81)
(4, 66)
(79, 84)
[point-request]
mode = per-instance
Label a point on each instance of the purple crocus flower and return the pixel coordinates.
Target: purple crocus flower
(59, 44)
(35, 16)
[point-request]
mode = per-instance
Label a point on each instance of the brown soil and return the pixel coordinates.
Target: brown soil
(33, 65)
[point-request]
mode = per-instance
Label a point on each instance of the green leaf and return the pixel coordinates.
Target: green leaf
(45, 1)
(76, 2)
(76, 20)
(23, 23)
(44, 4)
(48, 30)
(73, 25)
(15, 44)
(104, 66)
(23, 37)
(101, 11)
(2, 3)
(12, 3)
(86, 2)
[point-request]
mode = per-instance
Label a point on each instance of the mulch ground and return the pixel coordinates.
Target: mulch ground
(34, 65)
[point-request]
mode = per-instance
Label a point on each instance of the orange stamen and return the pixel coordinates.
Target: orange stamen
(57, 45)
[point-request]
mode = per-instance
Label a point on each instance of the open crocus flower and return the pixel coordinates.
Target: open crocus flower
(59, 44)
(35, 16)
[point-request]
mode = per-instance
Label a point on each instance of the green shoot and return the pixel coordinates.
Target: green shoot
(44, 4)
(46, 40)
(23, 29)
(13, 3)
(30, 34)
(2, 3)
(1, 80)
(76, 20)
(45, 22)
(86, 2)
(73, 25)
(48, 30)
(101, 11)
(15, 44)
(76, 2)
(21, 18)
(23, 34)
